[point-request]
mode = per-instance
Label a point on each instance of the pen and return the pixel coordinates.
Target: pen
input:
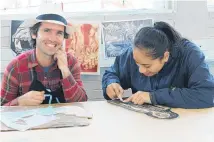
(120, 97)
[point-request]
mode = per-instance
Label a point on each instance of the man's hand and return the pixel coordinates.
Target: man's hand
(61, 58)
(32, 98)
(62, 62)
(114, 90)
(139, 98)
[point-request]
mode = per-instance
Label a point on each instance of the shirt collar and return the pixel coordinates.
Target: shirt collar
(32, 61)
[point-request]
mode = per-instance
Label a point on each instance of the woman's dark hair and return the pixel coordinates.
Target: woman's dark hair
(34, 31)
(157, 39)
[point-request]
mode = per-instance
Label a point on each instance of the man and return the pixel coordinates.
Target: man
(46, 74)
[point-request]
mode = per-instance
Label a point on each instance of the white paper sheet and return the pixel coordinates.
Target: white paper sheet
(24, 120)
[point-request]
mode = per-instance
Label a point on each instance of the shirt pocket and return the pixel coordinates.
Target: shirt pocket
(53, 84)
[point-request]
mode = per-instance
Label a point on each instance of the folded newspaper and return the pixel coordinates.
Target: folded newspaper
(65, 116)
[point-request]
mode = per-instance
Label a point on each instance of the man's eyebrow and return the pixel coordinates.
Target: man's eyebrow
(53, 29)
(45, 28)
(60, 31)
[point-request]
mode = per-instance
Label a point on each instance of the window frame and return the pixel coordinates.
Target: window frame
(210, 5)
(103, 12)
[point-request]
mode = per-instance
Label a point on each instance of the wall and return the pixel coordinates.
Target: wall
(191, 18)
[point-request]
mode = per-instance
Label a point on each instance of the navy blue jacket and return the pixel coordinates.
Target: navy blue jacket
(184, 81)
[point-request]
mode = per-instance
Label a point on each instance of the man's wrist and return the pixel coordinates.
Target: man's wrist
(64, 68)
(18, 101)
(65, 72)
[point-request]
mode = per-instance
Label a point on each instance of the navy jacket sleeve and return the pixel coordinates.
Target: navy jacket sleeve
(200, 90)
(118, 73)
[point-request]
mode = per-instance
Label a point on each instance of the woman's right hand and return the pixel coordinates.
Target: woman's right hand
(114, 90)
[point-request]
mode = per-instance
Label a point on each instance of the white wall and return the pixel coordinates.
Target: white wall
(192, 19)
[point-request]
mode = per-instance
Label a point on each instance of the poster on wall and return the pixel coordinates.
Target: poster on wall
(84, 44)
(20, 37)
(119, 35)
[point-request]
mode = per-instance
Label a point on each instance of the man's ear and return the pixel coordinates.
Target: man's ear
(33, 36)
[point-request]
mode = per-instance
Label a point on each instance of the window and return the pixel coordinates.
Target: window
(19, 6)
(35, 2)
(80, 5)
(7, 4)
(210, 5)
(110, 5)
(22, 4)
(126, 4)
(32, 6)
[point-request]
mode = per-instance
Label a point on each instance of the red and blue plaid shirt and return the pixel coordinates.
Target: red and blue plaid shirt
(18, 77)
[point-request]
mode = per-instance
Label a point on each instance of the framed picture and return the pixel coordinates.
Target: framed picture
(20, 37)
(84, 44)
(119, 35)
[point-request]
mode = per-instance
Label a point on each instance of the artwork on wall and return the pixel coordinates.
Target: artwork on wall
(119, 35)
(20, 37)
(84, 44)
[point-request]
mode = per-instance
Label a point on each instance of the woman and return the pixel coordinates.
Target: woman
(162, 69)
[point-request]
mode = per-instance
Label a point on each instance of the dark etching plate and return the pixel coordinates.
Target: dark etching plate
(148, 109)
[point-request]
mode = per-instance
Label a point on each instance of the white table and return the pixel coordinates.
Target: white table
(115, 124)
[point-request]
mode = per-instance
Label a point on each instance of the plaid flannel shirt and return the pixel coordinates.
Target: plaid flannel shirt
(18, 77)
